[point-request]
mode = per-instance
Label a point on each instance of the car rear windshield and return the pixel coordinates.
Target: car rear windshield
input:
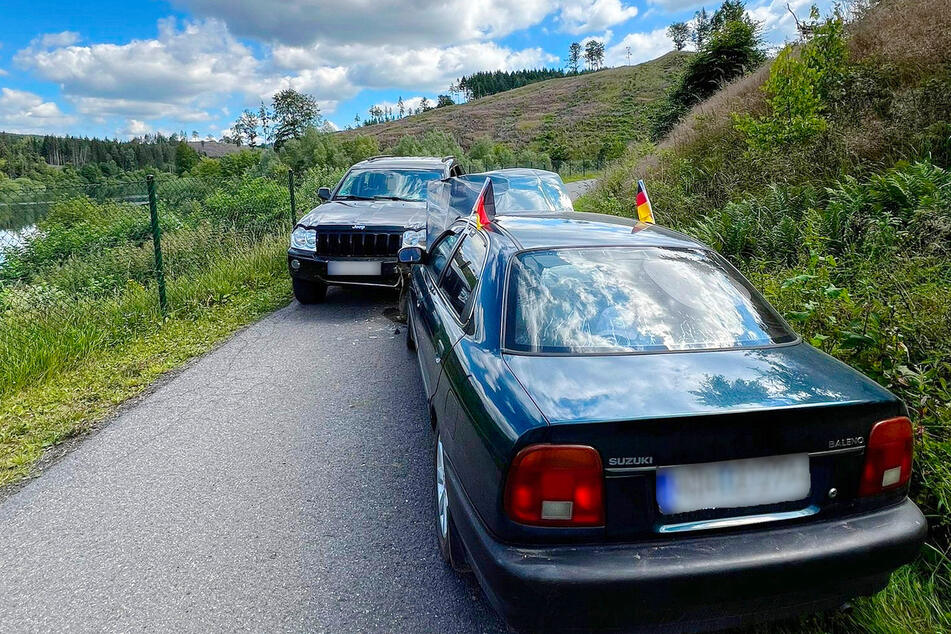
(387, 184)
(628, 299)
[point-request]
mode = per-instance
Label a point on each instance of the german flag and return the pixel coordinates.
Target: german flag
(645, 213)
(484, 208)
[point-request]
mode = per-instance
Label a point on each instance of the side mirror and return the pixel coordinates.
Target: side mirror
(323, 193)
(411, 255)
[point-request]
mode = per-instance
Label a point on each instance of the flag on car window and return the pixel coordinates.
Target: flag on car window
(484, 208)
(645, 213)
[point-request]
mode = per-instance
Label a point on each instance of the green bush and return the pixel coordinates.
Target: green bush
(254, 204)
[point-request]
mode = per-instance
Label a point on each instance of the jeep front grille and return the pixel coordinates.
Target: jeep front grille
(358, 243)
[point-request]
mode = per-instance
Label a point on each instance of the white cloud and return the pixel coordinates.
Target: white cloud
(372, 22)
(594, 15)
(200, 58)
(644, 47)
(379, 67)
(55, 40)
(3, 73)
(778, 24)
(22, 111)
(677, 5)
(134, 128)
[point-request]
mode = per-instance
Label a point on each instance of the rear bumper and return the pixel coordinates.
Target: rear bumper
(306, 266)
(690, 583)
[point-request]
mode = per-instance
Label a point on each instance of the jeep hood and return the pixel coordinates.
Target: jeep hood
(372, 213)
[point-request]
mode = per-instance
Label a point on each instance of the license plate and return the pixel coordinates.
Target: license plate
(353, 268)
(733, 484)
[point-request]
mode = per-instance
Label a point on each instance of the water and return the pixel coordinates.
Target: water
(11, 239)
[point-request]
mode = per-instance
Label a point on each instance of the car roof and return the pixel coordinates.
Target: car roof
(580, 229)
(521, 171)
(405, 162)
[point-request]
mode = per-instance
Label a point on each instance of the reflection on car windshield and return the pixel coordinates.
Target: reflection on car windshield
(396, 184)
(515, 193)
(623, 299)
(531, 193)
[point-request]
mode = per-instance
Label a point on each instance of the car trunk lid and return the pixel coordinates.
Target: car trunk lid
(645, 413)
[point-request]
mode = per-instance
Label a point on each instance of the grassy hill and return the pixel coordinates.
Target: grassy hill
(571, 117)
(826, 178)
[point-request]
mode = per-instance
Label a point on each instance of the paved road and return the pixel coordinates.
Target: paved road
(280, 483)
(578, 188)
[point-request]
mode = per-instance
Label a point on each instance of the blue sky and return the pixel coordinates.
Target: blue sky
(112, 68)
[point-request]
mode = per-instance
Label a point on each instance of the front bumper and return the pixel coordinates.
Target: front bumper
(690, 583)
(314, 269)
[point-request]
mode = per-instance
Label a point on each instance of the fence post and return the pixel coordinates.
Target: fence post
(157, 246)
(290, 186)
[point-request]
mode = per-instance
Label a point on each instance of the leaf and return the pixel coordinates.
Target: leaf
(855, 340)
(797, 280)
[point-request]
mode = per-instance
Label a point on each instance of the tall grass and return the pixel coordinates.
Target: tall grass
(848, 234)
(79, 297)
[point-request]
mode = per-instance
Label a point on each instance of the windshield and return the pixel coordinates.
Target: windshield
(384, 184)
(525, 192)
(624, 299)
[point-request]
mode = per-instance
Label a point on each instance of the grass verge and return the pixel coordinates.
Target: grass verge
(61, 404)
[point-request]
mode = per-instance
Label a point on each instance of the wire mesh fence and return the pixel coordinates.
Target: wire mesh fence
(86, 267)
(89, 266)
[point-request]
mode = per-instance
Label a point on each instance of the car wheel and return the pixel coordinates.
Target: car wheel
(450, 544)
(308, 292)
(410, 339)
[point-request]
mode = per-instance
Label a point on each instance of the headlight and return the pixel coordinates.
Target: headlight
(304, 239)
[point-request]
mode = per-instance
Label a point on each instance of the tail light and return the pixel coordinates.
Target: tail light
(887, 457)
(556, 485)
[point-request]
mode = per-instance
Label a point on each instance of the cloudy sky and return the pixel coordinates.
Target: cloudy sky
(117, 68)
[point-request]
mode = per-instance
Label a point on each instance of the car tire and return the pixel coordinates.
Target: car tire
(308, 292)
(450, 544)
(410, 338)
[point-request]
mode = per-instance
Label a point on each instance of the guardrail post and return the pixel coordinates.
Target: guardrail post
(290, 187)
(157, 246)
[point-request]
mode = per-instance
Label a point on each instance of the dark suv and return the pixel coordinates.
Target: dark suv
(354, 237)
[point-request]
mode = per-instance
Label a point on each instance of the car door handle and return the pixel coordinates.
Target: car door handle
(418, 303)
(438, 359)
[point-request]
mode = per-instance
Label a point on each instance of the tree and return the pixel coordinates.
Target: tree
(292, 113)
(424, 104)
(185, 158)
(729, 11)
(679, 32)
(264, 116)
(574, 57)
(246, 128)
(401, 106)
(594, 54)
(444, 100)
(702, 28)
(731, 51)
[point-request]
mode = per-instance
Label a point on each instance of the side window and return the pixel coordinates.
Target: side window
(463, 272)
(441, 253)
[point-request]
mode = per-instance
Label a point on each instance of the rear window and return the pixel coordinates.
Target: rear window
(623, 299)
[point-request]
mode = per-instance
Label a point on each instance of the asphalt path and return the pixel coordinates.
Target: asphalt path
(281, 482)
(578, 188)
